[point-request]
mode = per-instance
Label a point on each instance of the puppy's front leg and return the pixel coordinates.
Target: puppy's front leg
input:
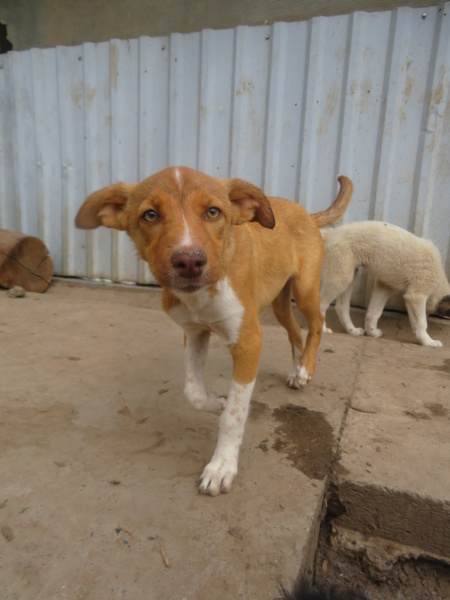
(218, 475)
(196, 348)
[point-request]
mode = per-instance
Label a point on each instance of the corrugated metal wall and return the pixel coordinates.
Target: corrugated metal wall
(287, 106)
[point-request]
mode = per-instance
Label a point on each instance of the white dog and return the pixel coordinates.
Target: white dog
(399, 262)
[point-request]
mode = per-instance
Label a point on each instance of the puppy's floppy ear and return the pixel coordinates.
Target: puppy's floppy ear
(443, 307)
(105, 207)
(249, 203)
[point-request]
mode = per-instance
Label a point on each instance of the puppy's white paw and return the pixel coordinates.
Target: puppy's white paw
(215, 404)
(376, 333)
(356, 331)
(326, 329)
(298, 378)
(203, 401)
(217, 477)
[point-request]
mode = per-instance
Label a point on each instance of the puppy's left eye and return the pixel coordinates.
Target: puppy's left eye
(150, 215)
(213, 212)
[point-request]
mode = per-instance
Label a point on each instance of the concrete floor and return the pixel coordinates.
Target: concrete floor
(100, 453)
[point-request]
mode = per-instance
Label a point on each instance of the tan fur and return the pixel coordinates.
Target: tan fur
(268, 249)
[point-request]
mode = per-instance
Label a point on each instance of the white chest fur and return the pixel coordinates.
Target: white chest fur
(221, 313)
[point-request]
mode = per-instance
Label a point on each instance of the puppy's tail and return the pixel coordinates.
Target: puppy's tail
(337, 209)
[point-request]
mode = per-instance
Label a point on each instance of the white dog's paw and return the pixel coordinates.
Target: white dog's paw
(431, 342)
(326, 329)
(373, 332)
(218, 477)
(356, 331)
(298, 378)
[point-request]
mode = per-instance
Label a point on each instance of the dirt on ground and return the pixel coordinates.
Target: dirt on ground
(407, 580)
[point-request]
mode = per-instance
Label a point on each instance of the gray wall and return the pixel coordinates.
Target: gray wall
(49, 23)
(287, 106)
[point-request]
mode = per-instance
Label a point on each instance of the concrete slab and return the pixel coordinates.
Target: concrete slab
(392, 476)
(100, 455)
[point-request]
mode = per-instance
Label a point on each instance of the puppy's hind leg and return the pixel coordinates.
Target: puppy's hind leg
(380, 294)
(343, 309)
(416, 307)
(282, 309)
(307, 297)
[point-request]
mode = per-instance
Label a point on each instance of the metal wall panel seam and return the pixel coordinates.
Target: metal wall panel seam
(249, 112)
(393, 89)
(23, 147)
(268, 37)
(5, 142)
(71, 115)
(216, 94)
(124, 143)
(48, 151)
(232, 106)
(357, 29)
(283, 129)
(432, 125)
(313, 91)
(184, 99)
(347, 120)
(97, 150)
(153, 90)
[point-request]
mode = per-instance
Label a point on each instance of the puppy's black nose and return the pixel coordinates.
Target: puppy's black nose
(189, 264)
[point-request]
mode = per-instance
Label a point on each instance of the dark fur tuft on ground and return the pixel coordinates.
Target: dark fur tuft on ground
(303, 591)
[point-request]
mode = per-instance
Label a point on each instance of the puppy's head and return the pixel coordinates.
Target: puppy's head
(180, 220)
(443, 307)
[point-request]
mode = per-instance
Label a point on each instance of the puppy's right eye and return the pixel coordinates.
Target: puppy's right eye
(150, 216)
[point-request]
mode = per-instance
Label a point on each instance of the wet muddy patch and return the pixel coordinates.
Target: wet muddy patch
(437, 410)
(257, 409)
(306, 438)
(444, 368)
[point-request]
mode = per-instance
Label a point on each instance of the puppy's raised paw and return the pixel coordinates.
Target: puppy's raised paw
(202, 401)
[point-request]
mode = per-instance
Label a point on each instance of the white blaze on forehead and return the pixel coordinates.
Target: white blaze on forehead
(178, 177)
(186, 240)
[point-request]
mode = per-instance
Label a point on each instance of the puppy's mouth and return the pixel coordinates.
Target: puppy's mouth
(186, 285)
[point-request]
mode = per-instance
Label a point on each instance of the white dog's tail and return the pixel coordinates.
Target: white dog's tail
(337, 209)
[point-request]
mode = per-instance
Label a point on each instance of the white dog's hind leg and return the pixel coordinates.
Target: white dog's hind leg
(416, 307)
(218, 475)
(326, 298)
(343, 309)
(377, 302)
(194, 389)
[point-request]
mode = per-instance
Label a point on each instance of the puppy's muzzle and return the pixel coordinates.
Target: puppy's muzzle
(189, 264)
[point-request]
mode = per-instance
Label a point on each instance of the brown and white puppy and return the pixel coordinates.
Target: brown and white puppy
(222, 251)
(399, 261)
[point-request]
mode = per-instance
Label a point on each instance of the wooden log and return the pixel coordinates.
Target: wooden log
(24, 261)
